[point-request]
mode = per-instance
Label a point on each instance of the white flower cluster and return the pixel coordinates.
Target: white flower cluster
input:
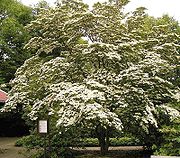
(122, 70)
(173, 113)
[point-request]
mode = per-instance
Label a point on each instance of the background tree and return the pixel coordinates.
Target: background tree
(13, 17)
(13, 36)
(118, 80)
(170, 144)
(40, 5)
(159, 34)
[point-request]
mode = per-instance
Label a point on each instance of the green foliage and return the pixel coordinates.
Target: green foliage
(171, 140)
(39, 6)
(123, 141)
(16, 10)
(121, 79)
(13, 17)
(59, 143)
(37, 142)
(31, 141)
(90, 142)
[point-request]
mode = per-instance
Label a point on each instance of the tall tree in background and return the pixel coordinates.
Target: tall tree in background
(13, 17)
(171, 131)
(118, 80)
(42, 4)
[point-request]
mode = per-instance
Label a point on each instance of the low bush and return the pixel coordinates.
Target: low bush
(171, 140)
(59, 145)
(37, 141)
(123, 141)
(31, 141)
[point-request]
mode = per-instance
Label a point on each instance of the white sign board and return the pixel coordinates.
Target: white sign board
(43, 126)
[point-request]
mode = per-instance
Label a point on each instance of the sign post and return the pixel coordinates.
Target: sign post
(43, 129)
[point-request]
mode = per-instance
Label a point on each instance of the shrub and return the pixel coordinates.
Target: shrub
(31, 141)
(123, 141)
(171, 136)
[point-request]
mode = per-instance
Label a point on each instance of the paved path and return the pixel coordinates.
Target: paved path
(8, 150)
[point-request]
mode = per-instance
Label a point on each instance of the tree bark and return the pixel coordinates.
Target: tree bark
(103, 138)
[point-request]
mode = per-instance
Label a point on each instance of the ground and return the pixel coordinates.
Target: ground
(8, 150)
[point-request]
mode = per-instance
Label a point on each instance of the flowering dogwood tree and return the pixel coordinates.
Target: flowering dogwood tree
(118, 78)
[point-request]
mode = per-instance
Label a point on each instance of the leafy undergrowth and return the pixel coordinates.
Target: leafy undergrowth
(91, 143)
(30, 141)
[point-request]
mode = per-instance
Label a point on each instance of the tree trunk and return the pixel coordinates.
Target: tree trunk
(103, 138)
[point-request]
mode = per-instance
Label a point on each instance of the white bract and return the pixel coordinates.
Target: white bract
(117, 79)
